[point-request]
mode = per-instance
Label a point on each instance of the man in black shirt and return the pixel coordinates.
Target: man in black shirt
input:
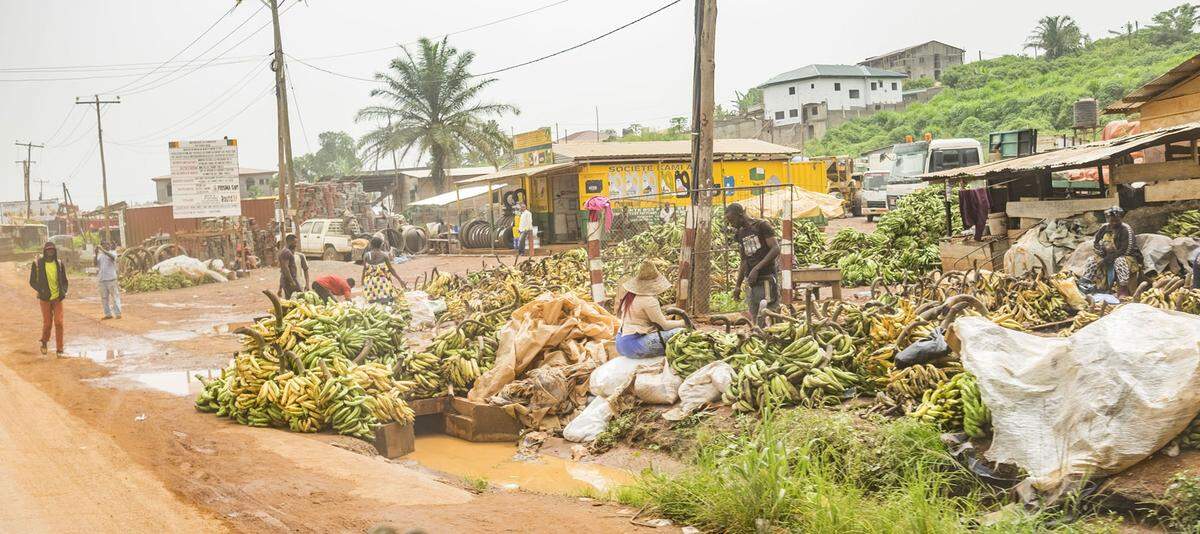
(758, 249)
(289, 276)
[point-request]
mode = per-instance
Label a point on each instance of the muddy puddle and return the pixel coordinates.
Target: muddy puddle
(179, 383)
(109, 349)
(495, 463)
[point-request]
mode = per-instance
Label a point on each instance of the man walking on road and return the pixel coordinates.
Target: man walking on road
(758, 249)
(48, 277)
(290, 264)
(524, 229)
(110, 290)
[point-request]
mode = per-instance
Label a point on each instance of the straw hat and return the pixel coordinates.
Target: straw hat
(647, 282)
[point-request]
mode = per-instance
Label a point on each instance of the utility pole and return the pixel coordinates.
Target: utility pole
(696, 267)
(103, 168)
(286, 179)
(41, 188)
(597, 124)
(27, 163)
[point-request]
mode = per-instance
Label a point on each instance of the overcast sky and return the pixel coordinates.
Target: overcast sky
(641, 74)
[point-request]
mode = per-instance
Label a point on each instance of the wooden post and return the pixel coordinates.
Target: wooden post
(786, 249)
(700, 211)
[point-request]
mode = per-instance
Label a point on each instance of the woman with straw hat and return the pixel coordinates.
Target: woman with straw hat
(644, 329)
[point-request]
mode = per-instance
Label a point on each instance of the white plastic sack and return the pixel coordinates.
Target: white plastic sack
(590, 423)
(424, 309)
(614, 375)
(1093, 403)
(657, 385)
(705, 385)
(189, 266)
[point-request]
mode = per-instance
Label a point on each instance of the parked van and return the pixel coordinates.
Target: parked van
(327, 239)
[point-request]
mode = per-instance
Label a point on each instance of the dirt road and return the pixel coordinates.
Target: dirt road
(82, 455)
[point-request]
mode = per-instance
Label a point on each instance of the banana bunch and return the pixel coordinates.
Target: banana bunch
(839, 345)
(976, 416)
(1082, 319)
(1156, 297)
(912, 382)
(823, 383)
(759, 385)
(346, 407)
(424, 370)
(690, 350)
(1188, 300)
(1183, 224)
(1040, 304)
(942, 405)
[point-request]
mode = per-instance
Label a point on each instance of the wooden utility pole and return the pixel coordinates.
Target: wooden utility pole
(103, 168)
(286, 180)
(41, 188)
(699, 286)
(27, 162)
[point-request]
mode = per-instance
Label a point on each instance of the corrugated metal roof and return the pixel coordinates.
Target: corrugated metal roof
(1133, 101)
(456, 195)
(1074, 157)
(515, 173)
(667, 149)
(839, 71)
(457, 172)
(906, 49)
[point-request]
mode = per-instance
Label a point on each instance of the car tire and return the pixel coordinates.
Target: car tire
(870, 218)
(330, 254)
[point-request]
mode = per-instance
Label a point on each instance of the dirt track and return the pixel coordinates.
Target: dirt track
(82, 456)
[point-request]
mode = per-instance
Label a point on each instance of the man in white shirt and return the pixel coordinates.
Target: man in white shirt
(524, 228)
(110, 290)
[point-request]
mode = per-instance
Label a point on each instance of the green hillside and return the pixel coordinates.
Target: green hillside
(1016, 92)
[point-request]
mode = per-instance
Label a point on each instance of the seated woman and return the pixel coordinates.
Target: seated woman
(1115, 265)
(644, 329)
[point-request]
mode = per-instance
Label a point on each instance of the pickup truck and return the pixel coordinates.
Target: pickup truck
(327, 239)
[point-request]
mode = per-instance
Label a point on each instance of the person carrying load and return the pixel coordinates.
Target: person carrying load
(1117, 258)
(644, 330)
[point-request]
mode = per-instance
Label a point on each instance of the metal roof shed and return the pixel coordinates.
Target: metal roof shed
(1166, 181)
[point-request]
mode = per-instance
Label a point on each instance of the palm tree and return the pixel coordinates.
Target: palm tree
(431, 109)
(1173, 25)
(1056, 36)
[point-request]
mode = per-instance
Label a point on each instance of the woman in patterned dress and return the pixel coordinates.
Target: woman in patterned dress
(378, 274)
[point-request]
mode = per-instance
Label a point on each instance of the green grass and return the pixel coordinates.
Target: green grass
(477, 484)
(821, 472)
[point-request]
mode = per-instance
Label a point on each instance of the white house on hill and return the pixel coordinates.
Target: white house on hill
(797, 96)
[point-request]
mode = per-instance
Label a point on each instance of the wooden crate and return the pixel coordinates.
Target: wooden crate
(959, 254)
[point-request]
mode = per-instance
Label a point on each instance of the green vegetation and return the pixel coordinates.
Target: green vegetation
(477, 484)
(1183, 500)
(1056, 36)
(636, 132)
(1014, 92)
(431, 108)
(336, 157)
(817, 472)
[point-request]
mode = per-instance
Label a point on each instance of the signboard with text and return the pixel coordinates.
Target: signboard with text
(533, 148)
(204, 179)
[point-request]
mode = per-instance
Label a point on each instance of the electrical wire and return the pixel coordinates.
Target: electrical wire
(79, 165)
(239, 113)
(510, 67)
(103, 67)
(83, 117)
(229, 61)
(204, 110)
(149, 86)
(181, 51)
(296, 100)
(70, 111)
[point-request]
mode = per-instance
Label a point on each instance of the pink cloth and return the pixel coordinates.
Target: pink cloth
(594, 206)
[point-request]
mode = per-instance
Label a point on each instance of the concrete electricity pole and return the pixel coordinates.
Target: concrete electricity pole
(103, 168)
(286, 180)
(697, 283)
(27, 162)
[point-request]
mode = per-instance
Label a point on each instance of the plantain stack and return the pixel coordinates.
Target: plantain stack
(690, 350)
(976, 417)
(942, 405)
(1183, 224)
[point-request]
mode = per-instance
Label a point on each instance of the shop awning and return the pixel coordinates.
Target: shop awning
(463, 193)
(517, 173)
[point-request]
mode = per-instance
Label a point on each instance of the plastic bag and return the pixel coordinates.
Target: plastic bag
(1091, 404)
(1070, 291)
(657, 386)
(589, 423)
(189, 266)
(614, 376)
(705, 385)
(923, 351)
(424, 309)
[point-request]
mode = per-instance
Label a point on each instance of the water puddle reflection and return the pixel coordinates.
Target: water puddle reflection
(179, 383)
(495, 463)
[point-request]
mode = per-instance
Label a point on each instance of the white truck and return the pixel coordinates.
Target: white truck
(326, 238)
(915, 159)
(874, 193)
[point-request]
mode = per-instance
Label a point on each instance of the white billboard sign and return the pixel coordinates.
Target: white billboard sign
(204, 179)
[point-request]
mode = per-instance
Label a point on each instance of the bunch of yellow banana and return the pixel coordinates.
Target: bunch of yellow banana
(423, 369)
(690, 350)
(758, 385)
(912, 382)
(297, 399)
(839, 345)
(942, 405)
(1156, 297)
(976, 416)
(1187, 300)
(823, 383)
(886, 327)
(1082, 319)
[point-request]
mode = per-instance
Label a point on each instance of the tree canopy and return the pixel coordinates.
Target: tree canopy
(431, 108)
(337, 156)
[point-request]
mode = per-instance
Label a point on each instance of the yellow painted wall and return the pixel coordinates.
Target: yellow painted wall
(1178, 105)
(657, 183)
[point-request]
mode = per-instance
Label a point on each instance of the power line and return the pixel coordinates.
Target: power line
(72, 141)
(182, 50)
(239, 113)
(152, 85)
(510, 67)
(228, 61)
(296, 99)
(102, 67)
(70, 111)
